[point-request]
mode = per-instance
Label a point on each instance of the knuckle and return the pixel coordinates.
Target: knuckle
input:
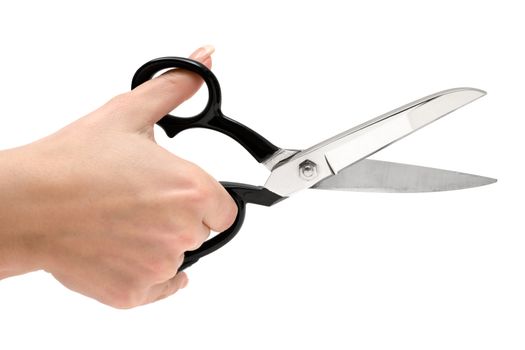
(118, 106)
(123, 298)
(190, 241)
(120, 100)
(229, 214)
(199, 187)
(179, 260)
(176, 77)
(169, 288)
(199, 193)
(170, 77)
(162, 267)
(173, 79)
(231, 211)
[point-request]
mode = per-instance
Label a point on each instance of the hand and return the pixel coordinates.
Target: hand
(105, 209)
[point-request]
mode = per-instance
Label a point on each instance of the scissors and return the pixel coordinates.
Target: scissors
(338, 163)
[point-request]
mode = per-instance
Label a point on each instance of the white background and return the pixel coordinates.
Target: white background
(323, 269)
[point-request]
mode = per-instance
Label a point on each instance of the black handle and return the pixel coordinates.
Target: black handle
(211, 116)
(242, 194)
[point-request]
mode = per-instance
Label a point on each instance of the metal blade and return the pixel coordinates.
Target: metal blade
(308, 167)
(378, 176)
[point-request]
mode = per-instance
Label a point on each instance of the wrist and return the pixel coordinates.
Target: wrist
(22, 239)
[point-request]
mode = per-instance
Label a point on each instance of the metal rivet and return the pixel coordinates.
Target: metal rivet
(308, 170)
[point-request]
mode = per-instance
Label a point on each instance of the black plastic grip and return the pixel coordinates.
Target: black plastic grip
(211, 117)
(241, 194)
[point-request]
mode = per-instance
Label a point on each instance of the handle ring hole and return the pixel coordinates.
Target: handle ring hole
(194, 104)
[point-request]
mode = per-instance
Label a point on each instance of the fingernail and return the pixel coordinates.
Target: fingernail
(203, 53)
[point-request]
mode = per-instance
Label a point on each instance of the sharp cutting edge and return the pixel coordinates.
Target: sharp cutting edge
(371, 175)
(331, 156)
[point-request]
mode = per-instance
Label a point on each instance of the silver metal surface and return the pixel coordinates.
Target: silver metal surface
(278, 156)
(378, 176)
(347, 148)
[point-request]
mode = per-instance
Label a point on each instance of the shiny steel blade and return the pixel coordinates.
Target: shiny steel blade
(308, 167)
(378, 176)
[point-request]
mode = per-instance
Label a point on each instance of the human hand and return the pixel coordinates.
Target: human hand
(105, 209)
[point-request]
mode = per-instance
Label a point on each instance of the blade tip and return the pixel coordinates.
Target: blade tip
(479, 92)
(486, 181)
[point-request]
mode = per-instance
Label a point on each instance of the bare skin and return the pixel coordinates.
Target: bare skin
(105, 209)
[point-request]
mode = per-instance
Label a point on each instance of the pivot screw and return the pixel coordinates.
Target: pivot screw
(308, 170)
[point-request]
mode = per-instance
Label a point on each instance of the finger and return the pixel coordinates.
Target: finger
(193, 238)
(155, 98)
(165, 289)
(222, 210)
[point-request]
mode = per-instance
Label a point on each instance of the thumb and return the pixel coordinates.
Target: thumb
(150, 101)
